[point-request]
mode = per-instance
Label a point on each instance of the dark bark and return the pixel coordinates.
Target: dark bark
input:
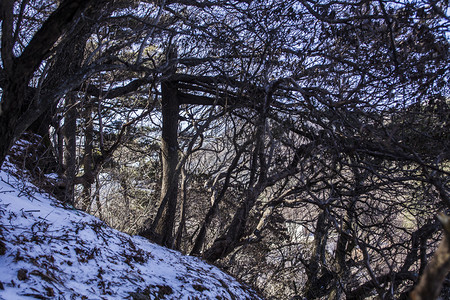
(258, 181)
(418, 243)
(343, 247)
(70, 163)
(88, 160)
(430, 283)
(68, 61)
(64, 17)
(161, 229)
(200, 240)
(231, 239)
(236, 230)
(366, 289)
(182, 225)
(318, 275)
(163, 224)
(18, 71)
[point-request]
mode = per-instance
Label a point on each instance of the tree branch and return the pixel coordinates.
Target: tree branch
(45, 38)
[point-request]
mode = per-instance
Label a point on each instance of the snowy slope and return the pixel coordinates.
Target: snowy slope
(49, 252)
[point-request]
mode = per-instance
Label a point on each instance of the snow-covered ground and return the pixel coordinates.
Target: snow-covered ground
(50, 252)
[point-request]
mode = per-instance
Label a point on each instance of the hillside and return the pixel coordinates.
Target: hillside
(51, 252)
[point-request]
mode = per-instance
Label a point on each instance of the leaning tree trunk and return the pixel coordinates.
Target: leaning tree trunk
(430, 283)
(10, 112)
(225, 244)
(18, 71)
(217, 199)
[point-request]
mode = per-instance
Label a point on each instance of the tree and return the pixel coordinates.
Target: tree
(18, 70)
(319, 126)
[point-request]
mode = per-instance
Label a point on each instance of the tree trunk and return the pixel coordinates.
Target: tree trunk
(88, 161)
(256, 184)
(216, 199)
(163, 223)
(19, 70)
(161, 229)
(70, 128)
(10, 112)
(169, 149)
(318, 277)
(430, 283)
(182, 226)
(344, 247)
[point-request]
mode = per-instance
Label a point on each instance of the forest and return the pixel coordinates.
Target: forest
(303, 146)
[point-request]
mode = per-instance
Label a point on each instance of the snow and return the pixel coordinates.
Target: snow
(54, 252)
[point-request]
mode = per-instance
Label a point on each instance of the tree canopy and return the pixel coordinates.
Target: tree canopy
(303, 145)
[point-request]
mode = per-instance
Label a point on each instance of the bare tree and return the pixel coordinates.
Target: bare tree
(305, 138)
